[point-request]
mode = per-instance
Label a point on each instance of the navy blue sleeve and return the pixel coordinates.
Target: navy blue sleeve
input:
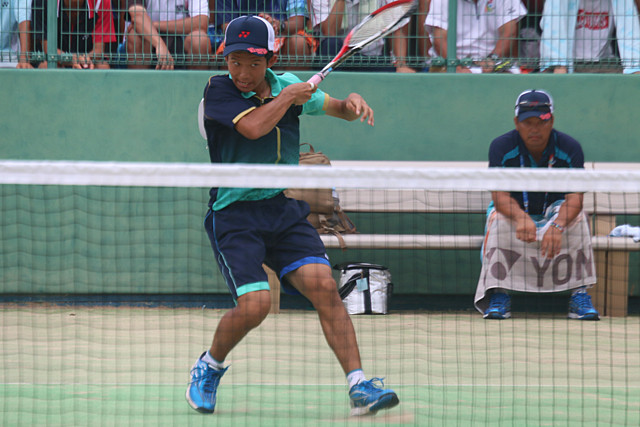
(498, 149)
(494, 157)
(504, 151)
(569, 150)
(223, 102)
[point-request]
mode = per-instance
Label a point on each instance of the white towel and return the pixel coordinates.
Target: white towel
(509, 263)
(626, 230)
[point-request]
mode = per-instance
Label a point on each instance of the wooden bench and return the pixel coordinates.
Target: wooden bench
(610, 295)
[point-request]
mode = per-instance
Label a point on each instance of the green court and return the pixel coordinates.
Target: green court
(83, 365)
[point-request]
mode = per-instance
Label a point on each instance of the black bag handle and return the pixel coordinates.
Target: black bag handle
(348, 287)
(351, 265)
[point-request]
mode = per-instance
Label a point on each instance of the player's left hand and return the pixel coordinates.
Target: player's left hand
(358, 107)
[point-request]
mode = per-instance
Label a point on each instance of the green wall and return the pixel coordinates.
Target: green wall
(150, 116)
(67, 240)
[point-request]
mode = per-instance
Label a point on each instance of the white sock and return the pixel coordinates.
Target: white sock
(580, 290)
(212, 362)
(354, 377)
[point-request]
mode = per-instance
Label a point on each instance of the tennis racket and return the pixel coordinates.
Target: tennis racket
(380, 23)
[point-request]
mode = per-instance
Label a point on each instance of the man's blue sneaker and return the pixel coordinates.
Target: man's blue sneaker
(499, 307)
(367, 397)
(201, 393)
(580, 307)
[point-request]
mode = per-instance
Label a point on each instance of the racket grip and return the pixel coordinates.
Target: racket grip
(316, 79)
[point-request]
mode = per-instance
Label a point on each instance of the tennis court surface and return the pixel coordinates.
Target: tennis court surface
(98, 365)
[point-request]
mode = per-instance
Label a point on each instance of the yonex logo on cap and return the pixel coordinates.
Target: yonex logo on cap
(257, 50)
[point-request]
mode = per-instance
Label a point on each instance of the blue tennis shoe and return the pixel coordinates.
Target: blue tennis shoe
(201, 392)
(499, 307)
(581, 308)
(367, 397)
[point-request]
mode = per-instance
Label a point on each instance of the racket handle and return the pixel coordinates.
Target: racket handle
(316, 79)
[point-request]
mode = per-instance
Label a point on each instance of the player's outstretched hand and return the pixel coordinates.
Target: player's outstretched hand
(355, 106)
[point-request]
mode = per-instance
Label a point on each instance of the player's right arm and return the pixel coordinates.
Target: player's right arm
(263, 119)
(509, 207)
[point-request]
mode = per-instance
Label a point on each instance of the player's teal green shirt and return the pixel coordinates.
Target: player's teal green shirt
(225, 105)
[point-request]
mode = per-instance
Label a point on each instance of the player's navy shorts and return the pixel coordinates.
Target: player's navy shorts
(244, 235)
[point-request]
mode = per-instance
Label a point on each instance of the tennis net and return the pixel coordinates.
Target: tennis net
(109, 292)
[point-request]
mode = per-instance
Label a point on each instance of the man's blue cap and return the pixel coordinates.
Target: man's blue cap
(251, 34)
(534, 103)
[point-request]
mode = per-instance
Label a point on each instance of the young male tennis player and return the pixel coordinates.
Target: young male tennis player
(251, 116)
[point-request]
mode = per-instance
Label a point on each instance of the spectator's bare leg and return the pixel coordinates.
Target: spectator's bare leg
(139, 52)
(197, 47)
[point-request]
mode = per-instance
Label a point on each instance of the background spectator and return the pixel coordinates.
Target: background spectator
(289, 20)
(168, 28)
(15, 37)
(423, 40)
(333, 19)
(84, 27)
(486, 33)
(578, 35)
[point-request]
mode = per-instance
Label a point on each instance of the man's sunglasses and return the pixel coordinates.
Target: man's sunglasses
(533, 105)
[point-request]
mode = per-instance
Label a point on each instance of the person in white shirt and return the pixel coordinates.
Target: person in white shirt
(168, 28)
(15, 28)
(333, 19)
(578, 35)
(486, 34)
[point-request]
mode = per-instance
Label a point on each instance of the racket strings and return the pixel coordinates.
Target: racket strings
(385, 21)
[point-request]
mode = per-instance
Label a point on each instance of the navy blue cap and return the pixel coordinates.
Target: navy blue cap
(534, 103)
(251, 34)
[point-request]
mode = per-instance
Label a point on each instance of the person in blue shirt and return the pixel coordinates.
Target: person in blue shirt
(251, 115)
(15, 29)
(534, 143)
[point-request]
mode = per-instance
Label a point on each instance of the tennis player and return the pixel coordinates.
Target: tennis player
(252, 116)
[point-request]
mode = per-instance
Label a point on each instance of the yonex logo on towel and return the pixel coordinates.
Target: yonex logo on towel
(563, 267)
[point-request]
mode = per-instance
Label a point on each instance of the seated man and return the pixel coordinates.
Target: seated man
(535, 241)
(578, 35)
(486, 35)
